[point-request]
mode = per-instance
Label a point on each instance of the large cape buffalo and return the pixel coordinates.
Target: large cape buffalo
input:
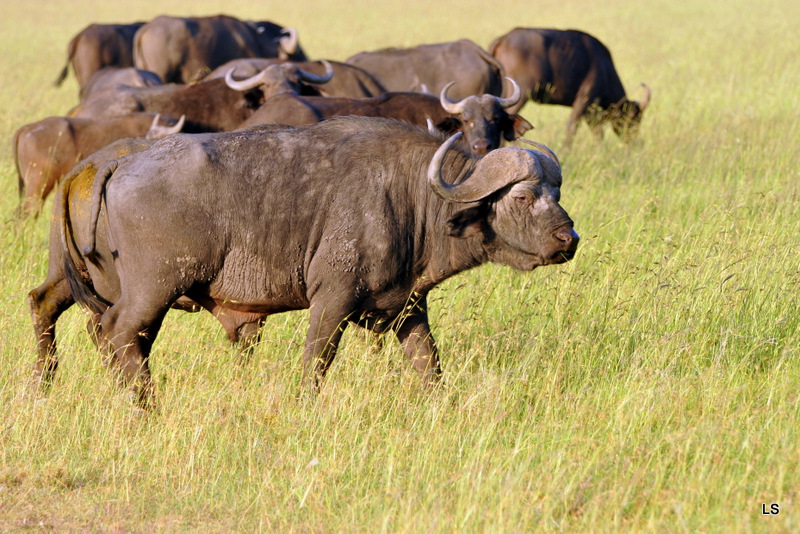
(355, 218)
(429, 67)
(182, 50)
(98, 46)
(570, 68)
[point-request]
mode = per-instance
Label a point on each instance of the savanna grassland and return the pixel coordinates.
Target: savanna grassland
(650, 385)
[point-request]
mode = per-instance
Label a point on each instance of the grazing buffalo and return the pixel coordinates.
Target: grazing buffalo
(355, 218)
(98, 46)
(46, 150)
(71, 211)
(483, 119)
(182, 50)
(428, 68)
(348, 80)
(111, 76)
(570, 68)
(211, 106)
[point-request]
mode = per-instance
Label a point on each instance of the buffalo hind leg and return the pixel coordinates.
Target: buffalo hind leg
(414, 334)
(129, 332)
(47, 302)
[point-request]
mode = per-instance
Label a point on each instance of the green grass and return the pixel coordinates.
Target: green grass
(649, 385)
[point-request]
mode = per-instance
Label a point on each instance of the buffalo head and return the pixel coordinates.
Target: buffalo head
(280, 78)
(517, 192)
(484, 119)
(626, 115)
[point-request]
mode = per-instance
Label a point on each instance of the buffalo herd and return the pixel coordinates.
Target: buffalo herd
(210, 164)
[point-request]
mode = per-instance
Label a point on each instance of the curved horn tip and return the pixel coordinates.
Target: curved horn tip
(449, 106)
(515, 95)
(317, 78)
(543, 149)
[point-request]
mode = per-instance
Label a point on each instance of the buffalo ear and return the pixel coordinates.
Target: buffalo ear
(516, 127)
(467, 222)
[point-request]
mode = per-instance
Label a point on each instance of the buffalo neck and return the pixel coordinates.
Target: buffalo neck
(439, 254)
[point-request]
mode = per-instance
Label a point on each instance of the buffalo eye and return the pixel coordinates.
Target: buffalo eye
(523, 198)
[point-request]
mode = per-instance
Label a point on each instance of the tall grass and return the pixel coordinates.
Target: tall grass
(649, 385)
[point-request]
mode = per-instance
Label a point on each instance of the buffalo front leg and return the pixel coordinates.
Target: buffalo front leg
(249, 335)
(326, 326)
(582, 102)
(414, 334)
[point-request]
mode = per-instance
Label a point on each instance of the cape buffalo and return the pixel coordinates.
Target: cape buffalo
(210, 106)
(570, 68)
(428, 68)
(46, 150)
(98, 46)
(182, 50)
(483, 119)
(355, 218)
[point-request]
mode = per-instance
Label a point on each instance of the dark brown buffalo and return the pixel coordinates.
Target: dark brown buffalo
(483, 119)
(111, 76)
(570, 68)
(348, 80)
(98, 46)
(356, 219)
(183, 50)
(46, 150)
(211, 106)
(428, 68)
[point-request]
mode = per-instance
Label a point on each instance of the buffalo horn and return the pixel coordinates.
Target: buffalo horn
(157, 131)
(491, 173)
(431, 127)
(313, 78)
(243, 85)
(449, 106)
(545, 150)
(515, 96)
(288, 42)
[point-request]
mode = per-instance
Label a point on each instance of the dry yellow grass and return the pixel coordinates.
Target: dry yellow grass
(649, 385)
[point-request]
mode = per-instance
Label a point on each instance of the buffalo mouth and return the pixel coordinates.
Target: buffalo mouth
(567, 238)
(562, 257)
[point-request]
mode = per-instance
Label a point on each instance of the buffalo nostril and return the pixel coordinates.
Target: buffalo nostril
(569, 237)
(480, 147)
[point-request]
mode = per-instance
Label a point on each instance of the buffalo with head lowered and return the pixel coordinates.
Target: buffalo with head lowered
(570, 68)
(354, 218)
